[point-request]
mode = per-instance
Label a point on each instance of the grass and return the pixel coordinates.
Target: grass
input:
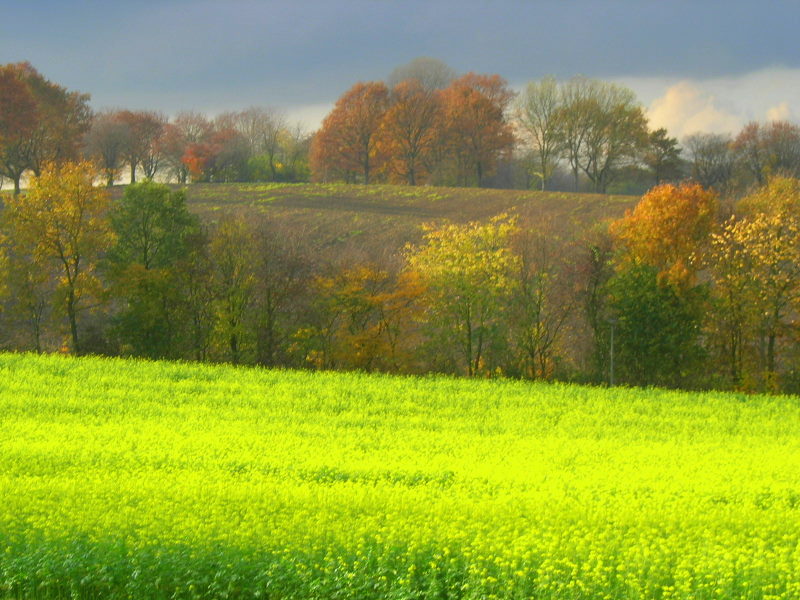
(130, 479)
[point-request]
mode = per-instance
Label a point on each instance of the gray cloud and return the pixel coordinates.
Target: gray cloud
(212, 55)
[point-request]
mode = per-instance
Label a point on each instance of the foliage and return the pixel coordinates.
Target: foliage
(18, 115)
(152, 227)
(669, 229)
(663, 157)
(768, 149)
(48, 131)
(544, 297)
(466, 270)
(347, 144)
(712, 159)
(657, 328)
(62, 224)
(431, 73)
(410, 131)
(364, 315)
(602, 128)
(231, 253)
(476, 132)
(756, 268)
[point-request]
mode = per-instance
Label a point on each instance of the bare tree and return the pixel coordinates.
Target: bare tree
(544, 300)
(537, 110)
(575, 121)
(712, 159)
(186, 128)
(432, 73)
(146, 128)
(263, 129)
(105, 144)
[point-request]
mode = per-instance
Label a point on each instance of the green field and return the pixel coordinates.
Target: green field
(126, 479)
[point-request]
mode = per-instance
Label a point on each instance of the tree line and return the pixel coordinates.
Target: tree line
(683, 291)
(41, 121)
(424, 125)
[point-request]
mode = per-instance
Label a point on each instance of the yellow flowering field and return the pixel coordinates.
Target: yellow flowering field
(130, 479)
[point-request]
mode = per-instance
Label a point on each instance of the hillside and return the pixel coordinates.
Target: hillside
(390, 215)
(132, 479)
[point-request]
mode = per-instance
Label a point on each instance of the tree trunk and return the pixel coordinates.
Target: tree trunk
(73, 322)
(771, 352)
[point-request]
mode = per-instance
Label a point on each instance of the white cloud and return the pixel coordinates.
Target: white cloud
(310, 116)
(686, 108)
(780, 112)
(721, 104)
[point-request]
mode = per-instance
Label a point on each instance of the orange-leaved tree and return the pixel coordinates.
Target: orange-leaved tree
(476, 128)
(656, 304)
(669, 229)
(346, 146)
(17, 108)
(409, 131)
(61, 119)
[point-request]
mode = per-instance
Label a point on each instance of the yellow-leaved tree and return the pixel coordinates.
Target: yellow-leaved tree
(756, 270)
(466, 271)
(61, 224)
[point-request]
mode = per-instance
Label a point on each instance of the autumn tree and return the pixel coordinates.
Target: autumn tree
(735, 315)
(18, 119)
(283, 272)
(543, 299)
(756, 268)
(220, 157)
(764, 149)
(347, 143)
(348, 329)
(476, 130)
(62, 223)
(263, 129)
(54, 135)
(616, 134)
(409, 131)
(655, 295)
(153, 227)
(669, 229)
(538, 111)
(575, 118)
(466, 271)
(187, 128)
(782, 142)
(31, 287)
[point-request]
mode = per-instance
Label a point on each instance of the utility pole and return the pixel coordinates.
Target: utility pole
(612, 321)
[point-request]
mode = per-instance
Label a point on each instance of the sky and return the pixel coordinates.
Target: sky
(695, 66)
